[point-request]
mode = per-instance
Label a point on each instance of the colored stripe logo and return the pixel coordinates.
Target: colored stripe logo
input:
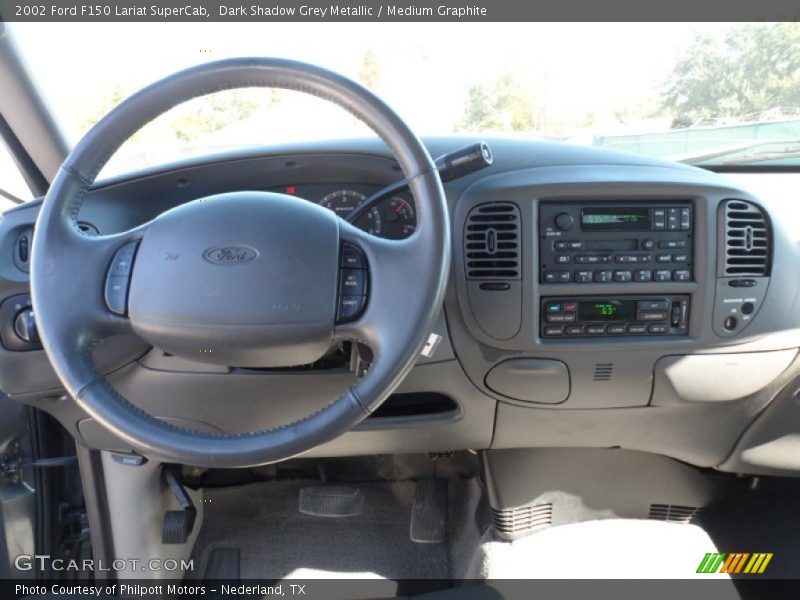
(735, 562)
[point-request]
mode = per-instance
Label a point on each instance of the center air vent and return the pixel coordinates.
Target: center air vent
(746, 238)
(491, 241)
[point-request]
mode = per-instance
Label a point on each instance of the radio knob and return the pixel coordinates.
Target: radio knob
(564, 221)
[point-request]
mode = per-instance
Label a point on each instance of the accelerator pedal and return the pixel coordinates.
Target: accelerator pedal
(429, 512)
(331, 501)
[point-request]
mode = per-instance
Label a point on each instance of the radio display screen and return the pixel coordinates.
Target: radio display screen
(615, 219)
(607, 310)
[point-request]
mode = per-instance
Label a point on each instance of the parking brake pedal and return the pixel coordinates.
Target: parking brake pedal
(178, 524)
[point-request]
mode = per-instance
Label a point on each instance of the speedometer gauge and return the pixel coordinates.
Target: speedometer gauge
(342, 202)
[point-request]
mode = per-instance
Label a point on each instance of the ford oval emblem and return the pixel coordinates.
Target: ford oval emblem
(230, 255)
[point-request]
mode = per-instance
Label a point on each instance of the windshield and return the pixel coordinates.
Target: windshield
(701, 93)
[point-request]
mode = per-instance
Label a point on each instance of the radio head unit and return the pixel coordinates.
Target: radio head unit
(623, 242)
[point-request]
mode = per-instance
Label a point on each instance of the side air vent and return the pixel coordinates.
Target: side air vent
(603, 372)
(511, 522)
(746, 239)
(491, 241)
(673, 513)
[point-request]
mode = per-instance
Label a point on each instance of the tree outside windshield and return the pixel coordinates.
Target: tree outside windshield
(705, 94)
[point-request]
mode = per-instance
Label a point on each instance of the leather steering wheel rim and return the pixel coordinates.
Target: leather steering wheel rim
(407, 278)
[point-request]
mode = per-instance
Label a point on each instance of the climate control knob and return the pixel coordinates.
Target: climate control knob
(564, 221)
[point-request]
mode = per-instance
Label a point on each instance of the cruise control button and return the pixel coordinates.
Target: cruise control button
(123, 260)
(353, 282)
(657, 328)
(116, 294)
(350, 307)
(352, 258)
(554, 330)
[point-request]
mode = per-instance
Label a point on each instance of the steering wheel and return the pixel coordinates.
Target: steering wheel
(242, 279)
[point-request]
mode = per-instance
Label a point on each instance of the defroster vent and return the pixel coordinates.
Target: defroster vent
(491, 241)
(747, 239)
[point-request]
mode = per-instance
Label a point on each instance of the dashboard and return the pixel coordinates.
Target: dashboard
(596, 299)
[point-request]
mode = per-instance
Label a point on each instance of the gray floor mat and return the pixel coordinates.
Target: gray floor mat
(275, 539)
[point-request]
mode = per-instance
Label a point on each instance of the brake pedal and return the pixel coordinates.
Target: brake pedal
(178, 524)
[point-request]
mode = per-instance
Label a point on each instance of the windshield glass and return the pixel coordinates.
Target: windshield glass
(701, 93)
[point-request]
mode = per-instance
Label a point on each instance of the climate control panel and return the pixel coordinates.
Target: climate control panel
(598, 316)
(583, 242)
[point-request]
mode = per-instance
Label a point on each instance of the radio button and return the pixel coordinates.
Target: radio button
(652, 316)
(673, 219)
(568, 245)
(623, 276)
(564, 221)
(592, 259)
(659, 219)
(681, 275)
(653, 305)
(626, 258)
(603, 276)
(657, 328)
(662, 276)
(663, 258)
(563, 259)
(595, 329)
(564, 276)
(583, 276)
(648, 244)
(637, 328)
(550, 276)
(680, 258)
(574, 330)
(553, 330)
(672, 244)
(686, 219)
(616, 329)
(643, 275)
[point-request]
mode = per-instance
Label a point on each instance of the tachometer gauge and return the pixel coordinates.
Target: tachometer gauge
(342, 202)
(399, 218)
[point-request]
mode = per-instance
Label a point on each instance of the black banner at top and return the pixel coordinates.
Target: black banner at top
(412, 11)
